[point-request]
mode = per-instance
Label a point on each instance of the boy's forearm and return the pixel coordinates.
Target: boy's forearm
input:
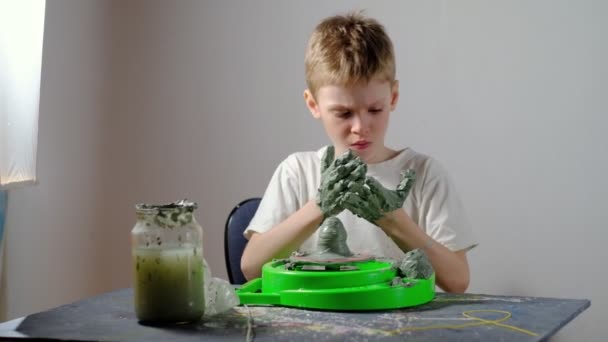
(451, 268)
(281, 240)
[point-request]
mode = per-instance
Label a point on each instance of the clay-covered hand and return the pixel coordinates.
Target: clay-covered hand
(372, 201)
(336, 175)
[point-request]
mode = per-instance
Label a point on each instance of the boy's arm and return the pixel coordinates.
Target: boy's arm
(451, 268)
(281, 240)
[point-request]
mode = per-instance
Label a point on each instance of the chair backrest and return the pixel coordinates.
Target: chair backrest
(234, 241)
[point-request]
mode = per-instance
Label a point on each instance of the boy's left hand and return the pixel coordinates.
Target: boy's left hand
(372, 201)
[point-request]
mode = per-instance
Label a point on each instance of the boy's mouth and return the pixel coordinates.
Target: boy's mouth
(360, 145)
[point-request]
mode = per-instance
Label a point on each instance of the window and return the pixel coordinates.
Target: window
(21, 36)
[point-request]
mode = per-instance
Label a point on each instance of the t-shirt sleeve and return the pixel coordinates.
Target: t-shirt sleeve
(442, 211)
(279, 201)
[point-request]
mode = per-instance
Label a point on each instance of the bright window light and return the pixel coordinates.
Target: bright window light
(21, 36)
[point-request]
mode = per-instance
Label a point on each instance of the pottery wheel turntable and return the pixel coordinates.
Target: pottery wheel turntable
(350, 283)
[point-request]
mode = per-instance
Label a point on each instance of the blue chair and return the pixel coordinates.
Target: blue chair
(234, 241)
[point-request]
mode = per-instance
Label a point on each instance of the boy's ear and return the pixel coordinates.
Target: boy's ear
(394, 95)
(311, 104)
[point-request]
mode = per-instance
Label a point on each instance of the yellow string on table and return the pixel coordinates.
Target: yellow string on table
(467, 314)
(480, 322)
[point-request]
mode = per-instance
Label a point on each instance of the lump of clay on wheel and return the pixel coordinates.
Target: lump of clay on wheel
(416, 265)
(332, 240)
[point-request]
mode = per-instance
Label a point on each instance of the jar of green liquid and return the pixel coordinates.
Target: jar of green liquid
(168, 267)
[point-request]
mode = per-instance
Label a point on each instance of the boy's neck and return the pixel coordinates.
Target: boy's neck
(384, 155)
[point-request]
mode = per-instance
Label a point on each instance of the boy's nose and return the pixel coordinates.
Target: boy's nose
(360, 124)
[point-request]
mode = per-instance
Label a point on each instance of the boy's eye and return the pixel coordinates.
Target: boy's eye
(375, 110)
(343, 115)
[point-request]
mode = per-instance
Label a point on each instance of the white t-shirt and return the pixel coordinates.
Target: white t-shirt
(432, 203)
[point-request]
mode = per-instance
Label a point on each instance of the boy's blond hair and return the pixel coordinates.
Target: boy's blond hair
(347, 49)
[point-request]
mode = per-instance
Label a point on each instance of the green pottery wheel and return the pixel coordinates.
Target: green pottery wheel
(365, 285)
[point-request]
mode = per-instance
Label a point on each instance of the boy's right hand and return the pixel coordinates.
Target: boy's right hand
(336, 175)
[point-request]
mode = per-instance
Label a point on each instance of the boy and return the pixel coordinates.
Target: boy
(350, 74)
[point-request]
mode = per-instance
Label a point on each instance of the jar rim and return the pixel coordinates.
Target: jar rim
(185, 205)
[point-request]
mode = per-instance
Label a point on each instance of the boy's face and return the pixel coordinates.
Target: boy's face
(356, 117)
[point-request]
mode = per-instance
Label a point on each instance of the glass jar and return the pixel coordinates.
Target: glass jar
(168, 266)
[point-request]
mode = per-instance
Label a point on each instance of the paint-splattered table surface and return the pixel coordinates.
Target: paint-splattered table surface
(469, 317)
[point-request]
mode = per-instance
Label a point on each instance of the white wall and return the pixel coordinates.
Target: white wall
(206, 100)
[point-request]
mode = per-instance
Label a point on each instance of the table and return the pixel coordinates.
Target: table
(467, 317)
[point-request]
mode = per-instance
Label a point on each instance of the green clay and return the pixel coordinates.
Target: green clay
(416, 265)
(332, 240)
(169, 284)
